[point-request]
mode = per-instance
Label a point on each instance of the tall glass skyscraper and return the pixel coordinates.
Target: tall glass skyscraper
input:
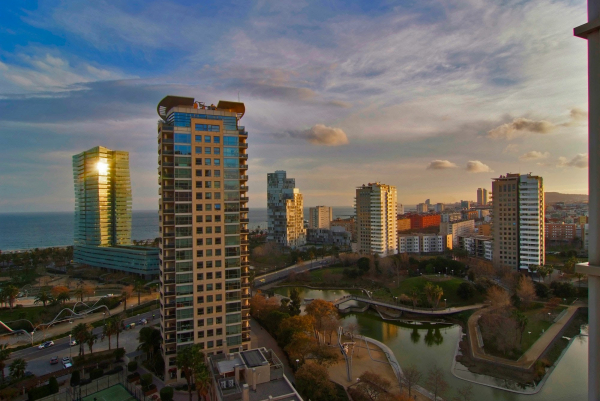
(102, 236)
(203, 213)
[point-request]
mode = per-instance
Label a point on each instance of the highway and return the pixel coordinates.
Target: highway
(38, 360)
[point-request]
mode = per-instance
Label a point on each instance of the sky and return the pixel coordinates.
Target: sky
(436, 97)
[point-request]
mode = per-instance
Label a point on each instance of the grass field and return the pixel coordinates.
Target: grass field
(114, 393)
(449, 286)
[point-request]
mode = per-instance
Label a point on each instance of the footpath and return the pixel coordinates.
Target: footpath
(527, 360)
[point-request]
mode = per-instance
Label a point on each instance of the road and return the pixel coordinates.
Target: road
(283, 273)
(38, 360)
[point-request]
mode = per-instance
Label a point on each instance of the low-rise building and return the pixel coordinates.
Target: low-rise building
(403, 224)
(480, 246)
(336, 236)
(450, 217)
(470, 214)
(424, 243)
(458, 229)
(561, 232)
(424, 220)
(252, 375)
(349, 225)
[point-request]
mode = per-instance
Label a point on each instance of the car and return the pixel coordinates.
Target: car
(54, 360)
(66, 359)
(48, 344)
(73, 343)
(143, 321)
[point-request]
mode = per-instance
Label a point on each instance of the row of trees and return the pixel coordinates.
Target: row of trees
(33, 258)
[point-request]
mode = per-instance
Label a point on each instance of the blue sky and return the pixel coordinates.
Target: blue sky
(435, 97)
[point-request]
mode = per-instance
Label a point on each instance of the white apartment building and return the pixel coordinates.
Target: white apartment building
(424, 243)
(480, 246)
(376, 227)
(457, 229)
(531, 221)
(439, 207)
(285, 211)
(320, 217)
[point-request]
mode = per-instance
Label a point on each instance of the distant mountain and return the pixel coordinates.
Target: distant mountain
(554, 197)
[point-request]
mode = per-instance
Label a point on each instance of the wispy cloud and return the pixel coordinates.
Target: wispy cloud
(441, 165)
(321, 134)
(534, 155)
(579, 161)
(475, 166)
(520, 126)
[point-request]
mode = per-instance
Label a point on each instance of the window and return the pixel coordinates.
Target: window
(209, 287)
(198, 151)
(199, 254)
(209, 195)
(217, 173)
(209, 219)
(217, 184)
(217, 252)
(198, 173)
(216, 139)
(217, 206)
(209, 276)
(199, 230)
(218, 264)
(218, 241)
(199, 195)
(206, 138)
(209, 253)
(199, 242)
(217, 162)
(209, 230)
(207, 173)
(199, 184)
(208, 184)
(199, 265)
(218, 274)
(209, 241)
(183, 150)
(198, 209)
(207, 150)
(183, 162)
(230, 140)
(182, 138)
(217, 195)
(208, 207)
(209, 264)
(207, 162)
(217, 151)
(198, 161)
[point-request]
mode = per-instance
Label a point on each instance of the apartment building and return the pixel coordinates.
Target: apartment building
(203, 223)
(465, 204)
(424, 243)
(439, 207)
(102, 229)
(320, 217)
(424, 220)
(450, 217)
(285, 210)
(480, 246)
(422, 208)
(348, 224)
(518, 217)
(457, 229)
(375, 210)
(403, 224)
(470, 214)
(482, 196)
(562, 232)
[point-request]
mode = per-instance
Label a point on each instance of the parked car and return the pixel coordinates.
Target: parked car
(73, 342)
(54, 360)
(66, 361)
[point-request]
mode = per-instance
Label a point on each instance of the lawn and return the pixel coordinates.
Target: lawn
(537, 324)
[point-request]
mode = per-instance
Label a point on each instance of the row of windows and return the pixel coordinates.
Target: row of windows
(208, 173)
(210, 321)
(185, 120)
(209, 298)
(208, 207)
(207, 127)
(227, 162)
(207, 150)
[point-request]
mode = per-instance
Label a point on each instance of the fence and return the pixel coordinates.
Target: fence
(77, 393)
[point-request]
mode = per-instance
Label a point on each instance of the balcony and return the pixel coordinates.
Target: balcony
(243, 145)
(167, 141)
(244, 231)
(169, 293)
(244, 188)
(170, 340)
(170, 329)
(171, 352)
(168, 269)
(169, 223)
(244, 209)
(243, 167)
(245, 157)
(168, 257)
(243, 177)
(244, 199)
(168, 211)
(168, 187)
(169, 281)
(165, 152)
(167, 164)
(168, 200)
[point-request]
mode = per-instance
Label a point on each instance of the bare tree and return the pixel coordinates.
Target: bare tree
(498, 296)
(526, 290)
(411, 377)
(436, 381)
(465, 393)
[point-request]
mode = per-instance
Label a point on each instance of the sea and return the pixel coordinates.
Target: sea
(54, 229)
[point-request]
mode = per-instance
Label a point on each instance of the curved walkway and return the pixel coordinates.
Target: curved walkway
(421, 311)
(527, 360)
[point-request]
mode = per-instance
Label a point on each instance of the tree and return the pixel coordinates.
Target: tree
(411, 377)
(498, 296)
(78, 292)
(150, 340)
(139, 287)
(300, 346)
(312, 381)
(293, 325)
(364, 264)
(371, 386)
(58, 289)
(325, 355)
(526, 290)
(63, 297)
(321, 310)
(4, 356)
(437, 294)
(43, 297)
(191, 363)
(414, 296)
(203, 380)
(125, 294)
(295, 302)
(17, 368)
(166, 393)
(569, 265)
(464, 393)
(542, 271)
(91, 340)
(80, 333)
(88, 291)
(521, 321)
(436, 381)
(10, 292)
(110, 328)
(75, 378)
(465, 291)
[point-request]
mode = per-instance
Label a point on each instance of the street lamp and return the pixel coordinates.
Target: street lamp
(70, 346)
(445, 303)
(297, 362)
(32, 338)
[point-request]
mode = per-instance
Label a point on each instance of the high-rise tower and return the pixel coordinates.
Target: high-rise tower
(518, 229)
(203, 214)
(482, 196)
(102, 234)
(376, 219)
(285, 210)
(320, 217)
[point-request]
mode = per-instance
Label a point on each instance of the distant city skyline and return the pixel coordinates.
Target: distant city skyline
(338, 96)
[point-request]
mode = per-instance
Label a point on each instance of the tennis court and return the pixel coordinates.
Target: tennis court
(114, 393)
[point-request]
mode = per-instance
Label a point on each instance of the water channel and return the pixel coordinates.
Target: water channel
(426, 344)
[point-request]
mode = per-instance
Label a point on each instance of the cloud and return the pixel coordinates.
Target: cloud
(441, 165)
(511, 148)
(534, 155)
(475, 166)
(579, 161)
(321, 134)
(577, 117)
(521, 125)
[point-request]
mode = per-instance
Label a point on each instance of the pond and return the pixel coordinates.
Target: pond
(427, 344)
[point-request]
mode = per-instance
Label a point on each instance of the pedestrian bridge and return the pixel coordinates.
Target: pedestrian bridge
(405, 308)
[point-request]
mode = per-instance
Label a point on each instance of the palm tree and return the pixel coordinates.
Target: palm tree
(110, 328)
(79, 292)
(43, 297)
(191, 363)
(150, 341)
(63, 297)
(80, 333)
(17, 368)
(414, 296)
(4, 355)
(10, 292)
(118, 320)
(91, 340)
(203, 380)
(139, 287)
(437, 293)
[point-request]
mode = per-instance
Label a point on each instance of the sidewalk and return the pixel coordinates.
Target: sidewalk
(259, 337)
(532, 354)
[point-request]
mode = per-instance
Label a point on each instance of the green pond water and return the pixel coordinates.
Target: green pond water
(426, 344)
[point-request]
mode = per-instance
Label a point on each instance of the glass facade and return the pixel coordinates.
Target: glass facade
(102, 233)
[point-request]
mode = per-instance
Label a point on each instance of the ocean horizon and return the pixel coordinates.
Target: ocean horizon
(30, 230)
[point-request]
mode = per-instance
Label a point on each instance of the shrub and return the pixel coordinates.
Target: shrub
(53, 385)
(466, 291)
(119, 354)
(166, 393)
(114, 370)
(563, 290)
(146, 380)
(132, 366)
(364, 264)
(351, 273)
(541, 290)
(75, 378)
(96, 373)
